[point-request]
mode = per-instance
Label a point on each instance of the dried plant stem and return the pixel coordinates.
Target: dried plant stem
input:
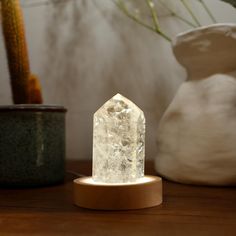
(208, 11)
(173, 13)
(17, 54)
(133, 17)
(153, 11)
(35, 94)
(18, 61)
(121, 5)
(191, 12)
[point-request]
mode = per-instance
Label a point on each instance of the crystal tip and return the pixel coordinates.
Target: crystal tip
(118, 95)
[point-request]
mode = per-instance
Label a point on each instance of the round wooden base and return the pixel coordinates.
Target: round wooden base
(146, 193)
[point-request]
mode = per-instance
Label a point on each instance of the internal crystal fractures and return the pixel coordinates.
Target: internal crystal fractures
(118, 142)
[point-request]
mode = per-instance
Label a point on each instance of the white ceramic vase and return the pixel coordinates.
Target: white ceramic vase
(196, 137)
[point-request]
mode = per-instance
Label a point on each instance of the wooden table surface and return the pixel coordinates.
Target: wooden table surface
(187, 210)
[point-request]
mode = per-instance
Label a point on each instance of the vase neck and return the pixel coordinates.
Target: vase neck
(207, 51)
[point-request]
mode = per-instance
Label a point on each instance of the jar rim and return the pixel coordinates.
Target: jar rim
(33, 107)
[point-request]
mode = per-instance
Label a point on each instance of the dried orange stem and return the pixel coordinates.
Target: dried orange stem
(17, 54)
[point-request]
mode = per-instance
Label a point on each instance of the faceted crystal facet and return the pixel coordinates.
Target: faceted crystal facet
(118, 142)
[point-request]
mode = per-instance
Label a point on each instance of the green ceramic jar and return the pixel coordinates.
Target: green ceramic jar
(32, 145)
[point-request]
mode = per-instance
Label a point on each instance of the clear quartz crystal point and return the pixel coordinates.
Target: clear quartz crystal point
(118, 142)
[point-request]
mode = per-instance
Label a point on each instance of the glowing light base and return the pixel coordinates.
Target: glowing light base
(144, 193)
(118, 181)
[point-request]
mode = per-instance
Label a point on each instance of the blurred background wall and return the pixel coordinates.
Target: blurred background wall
(86, 51)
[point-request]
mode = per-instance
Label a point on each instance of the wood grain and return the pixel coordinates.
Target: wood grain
(186, 210)
(118, 197)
